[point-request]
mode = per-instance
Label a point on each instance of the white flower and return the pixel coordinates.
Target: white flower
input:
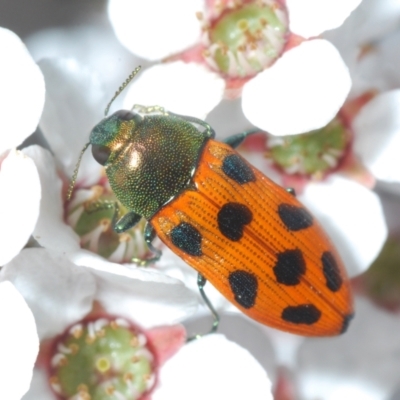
(21, 102)
(60, 293)
(307, 84)
(19, 343)
(51, 282)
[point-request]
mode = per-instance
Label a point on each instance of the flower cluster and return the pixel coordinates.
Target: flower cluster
(317, 79)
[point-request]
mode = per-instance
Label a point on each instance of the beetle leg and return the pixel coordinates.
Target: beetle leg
(235, 140)
(201, 282)
(149, 235)
(127, 221)
(120, 225)
(291, 191)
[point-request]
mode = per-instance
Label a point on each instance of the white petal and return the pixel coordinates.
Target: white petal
(353, 218)
(377, 136)
(51, 231)
(155, 29)
(40, 388)
(373, 19)
(361, 364)
(19, 203)
(365, 29)
(186, 89)
(93, 44)
(312, 17)
(286, 346)
(19, 343)
(142, 294)
(148, 303)
(22, 91)
(302, 91)
(387, 56)
(57, 291)
(75, 102)
(390, 195)
(246, 333)
(213, 368)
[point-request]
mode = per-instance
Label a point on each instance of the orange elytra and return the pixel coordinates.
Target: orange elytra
(258, 246)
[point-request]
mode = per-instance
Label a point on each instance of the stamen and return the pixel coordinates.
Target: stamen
(91, 333)
(55, 384)
(100, 324)
(110, 390)
(81, 370)
(121, 250)
(59, 360)
(103, 364)
(63, 349)
(255, 29)
(92, 220)
(128, 377)
(76, 331)
(74, 348)
(314, 153)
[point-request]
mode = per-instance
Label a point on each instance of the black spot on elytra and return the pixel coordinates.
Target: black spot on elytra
(289, 267)
(232, 218)
(187, 238)
(244, 286)
(295, 218)
(237, 169)
(346, 322)
(304, 314)
(331, 272)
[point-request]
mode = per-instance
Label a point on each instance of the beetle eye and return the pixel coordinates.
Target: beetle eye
(124, 115)
(100, 153)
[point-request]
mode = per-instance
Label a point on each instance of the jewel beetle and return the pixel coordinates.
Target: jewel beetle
(252, 239)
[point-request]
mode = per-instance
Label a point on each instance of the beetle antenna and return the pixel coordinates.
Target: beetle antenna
(75, 174)
(121, 88)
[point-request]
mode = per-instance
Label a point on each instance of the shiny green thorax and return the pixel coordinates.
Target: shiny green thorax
(148, 159)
